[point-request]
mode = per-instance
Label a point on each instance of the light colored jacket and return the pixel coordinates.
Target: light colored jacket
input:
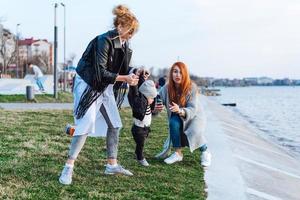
(194, 121)
(37, 72)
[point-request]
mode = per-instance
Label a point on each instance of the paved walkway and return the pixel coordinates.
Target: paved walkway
(245, 166)
(18, 86)
(36, 106)
(43, 106)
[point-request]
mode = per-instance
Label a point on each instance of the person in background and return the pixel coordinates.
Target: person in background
(186, 116)
(38, 75)
(102, 69)
(141, 100)
(162, 81)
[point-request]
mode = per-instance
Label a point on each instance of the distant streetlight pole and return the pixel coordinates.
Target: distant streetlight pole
(55, 54)
(65, 75)
(17, 50)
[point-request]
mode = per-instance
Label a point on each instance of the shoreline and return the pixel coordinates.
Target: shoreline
(272, 110)
(265, 134)
(246, 165)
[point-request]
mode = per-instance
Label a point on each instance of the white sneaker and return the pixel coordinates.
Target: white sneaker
(144, 162)
(175, 157)
(117, 170)
(206, 158)
(66, 175)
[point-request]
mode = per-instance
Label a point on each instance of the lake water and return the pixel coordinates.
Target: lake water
(274, 110)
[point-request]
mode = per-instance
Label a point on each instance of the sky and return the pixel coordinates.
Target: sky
(215, 38)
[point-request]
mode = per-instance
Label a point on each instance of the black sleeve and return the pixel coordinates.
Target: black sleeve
(132, 93)
(102, 55)
(137, 102)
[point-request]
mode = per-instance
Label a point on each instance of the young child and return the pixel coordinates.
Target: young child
(141, 100)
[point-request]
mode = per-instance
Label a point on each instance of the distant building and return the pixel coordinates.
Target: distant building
(264, 81)
(297, 82)
(277, 82)
(286, 81)
(209, 80)
(250, 81)
(37, 51)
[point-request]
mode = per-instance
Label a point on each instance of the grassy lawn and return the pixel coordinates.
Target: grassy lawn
(63, 97)
(33, 150)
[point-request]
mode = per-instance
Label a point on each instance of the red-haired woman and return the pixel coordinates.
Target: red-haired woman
(185, 114)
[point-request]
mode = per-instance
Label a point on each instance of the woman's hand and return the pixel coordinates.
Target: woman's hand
(143, 71)
(174, 107)
(132, 79)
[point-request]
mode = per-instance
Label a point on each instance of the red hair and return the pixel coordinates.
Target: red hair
(178, 95)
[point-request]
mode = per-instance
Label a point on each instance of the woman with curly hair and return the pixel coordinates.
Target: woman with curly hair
(102, 69)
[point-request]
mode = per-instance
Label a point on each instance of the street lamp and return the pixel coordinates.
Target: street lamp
(17, 46)
(55, 54)
(65, 77)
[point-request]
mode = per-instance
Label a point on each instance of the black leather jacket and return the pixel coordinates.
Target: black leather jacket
(99, 66)
(102, 61)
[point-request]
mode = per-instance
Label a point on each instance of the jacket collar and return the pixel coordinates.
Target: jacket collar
(114, 36)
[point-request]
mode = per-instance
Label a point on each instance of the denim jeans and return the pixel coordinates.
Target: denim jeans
(39, 83)
(176, 127)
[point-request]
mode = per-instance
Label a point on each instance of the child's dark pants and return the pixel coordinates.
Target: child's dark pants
(140, 134)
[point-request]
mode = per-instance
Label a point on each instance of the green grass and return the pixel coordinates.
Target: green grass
(63, 97)
(33, 150)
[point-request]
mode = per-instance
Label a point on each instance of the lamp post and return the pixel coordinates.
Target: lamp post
(17, 50)
(55, 54)
(65, 75)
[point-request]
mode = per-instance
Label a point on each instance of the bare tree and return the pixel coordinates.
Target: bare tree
(162, 72)
(42, 60)
(7, 49)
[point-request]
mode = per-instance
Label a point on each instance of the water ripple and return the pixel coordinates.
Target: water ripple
(273, 110)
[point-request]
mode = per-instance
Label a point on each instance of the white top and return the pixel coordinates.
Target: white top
(93, 122)
(37, 71)
(146, 121)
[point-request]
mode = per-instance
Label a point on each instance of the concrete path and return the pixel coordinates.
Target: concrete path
(18, 86)
(43, 106)
(36, 106)
(244, 165)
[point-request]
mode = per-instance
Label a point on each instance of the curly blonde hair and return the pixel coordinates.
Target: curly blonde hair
(125, 18)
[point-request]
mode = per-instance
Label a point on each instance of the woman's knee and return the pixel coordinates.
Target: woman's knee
(175, 122)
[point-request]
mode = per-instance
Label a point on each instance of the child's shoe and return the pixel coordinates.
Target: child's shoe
(144, 162)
